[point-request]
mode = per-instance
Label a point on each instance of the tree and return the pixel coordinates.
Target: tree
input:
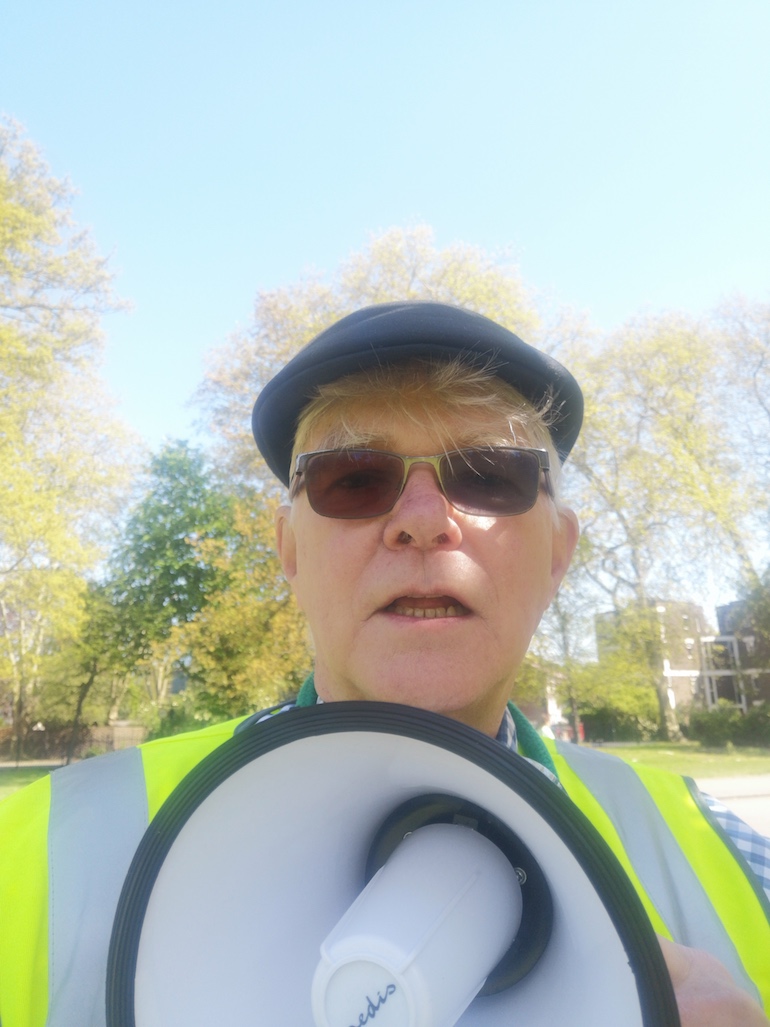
(564, 629)
(752, 626)
(658, 487)
(193, 588)
(745, 367)
(249, 647)
(745, 374)
(87, 673)
(615, 699)
(161, 576)
(63, 459)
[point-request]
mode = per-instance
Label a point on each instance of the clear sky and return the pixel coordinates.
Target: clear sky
(619, 150)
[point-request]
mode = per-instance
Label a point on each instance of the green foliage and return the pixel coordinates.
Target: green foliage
(655, 466)
(179, 715)
(726, 724)
(249, 646)
(744, 335)
(161, 577)
(608, 724)
(533, 680)
(756, 620)
(657, 476)
(63, 463)
(715, 728)
(196, 592)
(615, 700)
(755, 727)
(616, 695)
(120, 662)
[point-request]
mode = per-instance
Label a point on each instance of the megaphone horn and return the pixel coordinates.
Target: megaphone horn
(358, 864)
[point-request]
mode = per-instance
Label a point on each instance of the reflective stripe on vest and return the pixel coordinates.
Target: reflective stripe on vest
(683, 897)
(66, 843)
(99, 813)
(98, 816)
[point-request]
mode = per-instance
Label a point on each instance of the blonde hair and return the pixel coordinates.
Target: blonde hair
(429, 394)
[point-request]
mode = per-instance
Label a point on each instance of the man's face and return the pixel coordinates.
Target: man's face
(425, 605)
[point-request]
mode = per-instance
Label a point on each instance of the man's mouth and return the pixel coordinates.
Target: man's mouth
(427, 607)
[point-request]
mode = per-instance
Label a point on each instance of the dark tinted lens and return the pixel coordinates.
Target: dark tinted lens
(491, 481)
(353, 483)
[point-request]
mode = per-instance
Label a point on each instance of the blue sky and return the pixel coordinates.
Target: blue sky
(620, 151)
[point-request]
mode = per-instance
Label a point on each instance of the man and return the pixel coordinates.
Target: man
(424, 538)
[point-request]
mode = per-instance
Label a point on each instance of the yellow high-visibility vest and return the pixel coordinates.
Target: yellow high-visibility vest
(66, 843)
(695, 886)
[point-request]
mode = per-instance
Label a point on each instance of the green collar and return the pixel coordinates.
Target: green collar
(529, 741)
(307, 694)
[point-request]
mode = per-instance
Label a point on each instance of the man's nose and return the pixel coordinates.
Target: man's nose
(422, 516)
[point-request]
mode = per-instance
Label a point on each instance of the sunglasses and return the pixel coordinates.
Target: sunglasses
(492, 481)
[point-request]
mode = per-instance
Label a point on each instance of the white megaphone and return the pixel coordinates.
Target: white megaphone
(370, 865)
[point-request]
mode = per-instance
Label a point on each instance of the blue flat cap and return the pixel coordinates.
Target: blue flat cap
(392, 333)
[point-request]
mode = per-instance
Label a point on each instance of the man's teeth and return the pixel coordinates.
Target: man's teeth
(432, 611)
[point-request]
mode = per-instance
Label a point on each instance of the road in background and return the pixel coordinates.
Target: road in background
(747, 797)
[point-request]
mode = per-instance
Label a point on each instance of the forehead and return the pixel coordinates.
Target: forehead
(417, 427)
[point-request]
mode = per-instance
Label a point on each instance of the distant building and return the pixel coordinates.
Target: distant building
(677, 628)
(736, 662)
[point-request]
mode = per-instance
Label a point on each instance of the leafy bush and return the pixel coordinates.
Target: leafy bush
(179, 716)
(755, 727)
(606, 724)
(726, 724)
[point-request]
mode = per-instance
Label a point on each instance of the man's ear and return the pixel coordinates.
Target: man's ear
(286, 542)
(565, 537)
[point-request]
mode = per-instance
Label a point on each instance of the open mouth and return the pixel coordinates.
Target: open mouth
(427, 607)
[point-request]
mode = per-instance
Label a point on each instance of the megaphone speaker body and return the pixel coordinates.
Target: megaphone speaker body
(260, 854)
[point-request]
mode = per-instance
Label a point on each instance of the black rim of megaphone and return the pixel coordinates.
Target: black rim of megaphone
(656, 996)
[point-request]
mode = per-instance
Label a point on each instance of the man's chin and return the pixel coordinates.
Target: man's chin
(456, 704)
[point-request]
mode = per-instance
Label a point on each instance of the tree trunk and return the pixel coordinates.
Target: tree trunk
(83, 691)
(18, 724)
(574, 717)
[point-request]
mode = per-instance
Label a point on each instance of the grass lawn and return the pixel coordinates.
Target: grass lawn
(12, 778)
(690, 759)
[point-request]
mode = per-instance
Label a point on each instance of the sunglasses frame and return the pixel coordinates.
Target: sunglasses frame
(408, 462)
